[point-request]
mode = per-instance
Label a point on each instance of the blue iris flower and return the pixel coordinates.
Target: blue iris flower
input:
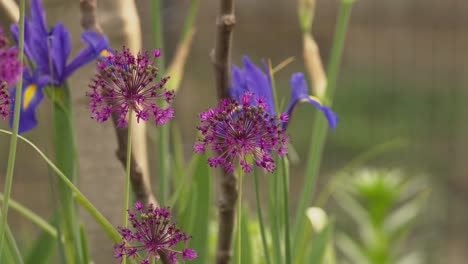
(31, 97)
(48, 53)
(252, 79)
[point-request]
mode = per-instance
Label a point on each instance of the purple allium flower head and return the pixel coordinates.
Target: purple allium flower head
(5, 101)
(241, 132)
(10, 66)
(125, 82)
(153, 233)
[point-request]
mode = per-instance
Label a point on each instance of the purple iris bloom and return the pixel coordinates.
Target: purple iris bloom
(48, 52)
(252, 79)
(43, 47)
(31, 97)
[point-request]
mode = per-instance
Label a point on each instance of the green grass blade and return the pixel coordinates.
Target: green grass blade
(84, 245)
(195, 209)
(14, 138)
(12, 247)
(42, 248)
(260, 218)
(79, 196)
(203, 184)
(66, 160)
(319, 245)
(273, 217)
(320, 126)
(33, 217)
(247, 251)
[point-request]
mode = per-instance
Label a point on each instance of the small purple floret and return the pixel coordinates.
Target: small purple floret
(242, 133)
(157, 53)
(125, 82)
(153, 234)
(10, 66)
(5, 101)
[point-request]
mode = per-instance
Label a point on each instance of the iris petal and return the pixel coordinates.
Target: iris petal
(32, 96)
(252, 79)
(98, 45)
(61, 49)
(299, 93)
(38, 17)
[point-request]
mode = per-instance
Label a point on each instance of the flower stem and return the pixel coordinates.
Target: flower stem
(163, 131)
(320, 123)
(129, 158)
(260, 218)
(239, 218)
(127, 177)
(14, 137)
(79, 196)
(33, 217)
(287, 238)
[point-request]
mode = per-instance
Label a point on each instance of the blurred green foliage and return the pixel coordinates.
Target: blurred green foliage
(383, 205)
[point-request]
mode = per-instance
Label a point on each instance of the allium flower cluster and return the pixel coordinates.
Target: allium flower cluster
(5, 101)
(125, 82)
(10, 66)
(242, 132)
(153, 233)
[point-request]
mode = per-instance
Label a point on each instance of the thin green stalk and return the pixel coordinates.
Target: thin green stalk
(190, 18)
(14, 138)
(239, 216)
(164, 166)
(13, 247)
(129, 158)
(273, 217)
(127, 177)
(79, 196)
(260, 218)
(287, 238)
(36, 219)
(65, 152)
(320, 126)
(163, 131)
(84, 245)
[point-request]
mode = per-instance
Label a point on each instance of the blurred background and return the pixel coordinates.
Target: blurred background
(403, 78)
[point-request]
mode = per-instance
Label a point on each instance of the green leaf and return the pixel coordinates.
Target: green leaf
(42, 249)
(66, 159)
(12, 248)
(351, 249)
(319, 245)
(320, 126)
(246, 236)
(195, 209)
(84, 245)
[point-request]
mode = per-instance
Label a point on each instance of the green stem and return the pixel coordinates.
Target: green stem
(260, 217)
(163, 131)
(158, 41)
(239, 217)
(36, 219)
(100, 219)
(192, 14)
(127, 178)
(287, 239)
(320, 126)
(66, 159)
(273, 216)
(84, 245)
(13, 247)
(14, 138)
(129, 158)
(163, 164)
